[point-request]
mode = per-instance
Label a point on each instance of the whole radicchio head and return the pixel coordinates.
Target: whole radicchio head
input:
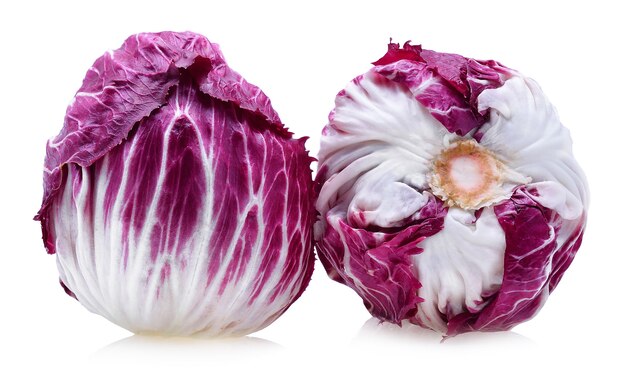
(448, 192)
(175, 200)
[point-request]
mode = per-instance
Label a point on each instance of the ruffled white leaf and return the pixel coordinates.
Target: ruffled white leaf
(525, 131)
(459, 265)
(555, 196)
(377, 151)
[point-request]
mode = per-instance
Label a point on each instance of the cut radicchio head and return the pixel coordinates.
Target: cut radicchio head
(175, 200)
(448, 192)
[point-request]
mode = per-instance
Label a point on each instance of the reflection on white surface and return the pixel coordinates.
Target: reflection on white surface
(373, 331)
(173, 352)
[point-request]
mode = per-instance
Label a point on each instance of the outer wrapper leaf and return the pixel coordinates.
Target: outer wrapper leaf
(378, 265)
(448, 85)
(534, 264)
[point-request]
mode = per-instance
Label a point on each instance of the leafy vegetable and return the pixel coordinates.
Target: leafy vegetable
(175, 200)
(448, 192)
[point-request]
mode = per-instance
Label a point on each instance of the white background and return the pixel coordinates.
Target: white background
(301, 55)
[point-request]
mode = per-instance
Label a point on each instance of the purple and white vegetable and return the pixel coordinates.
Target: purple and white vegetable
(174, 198)
(448, 193)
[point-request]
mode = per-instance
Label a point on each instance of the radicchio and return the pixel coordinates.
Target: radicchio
(448, 192)
(174, 198)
